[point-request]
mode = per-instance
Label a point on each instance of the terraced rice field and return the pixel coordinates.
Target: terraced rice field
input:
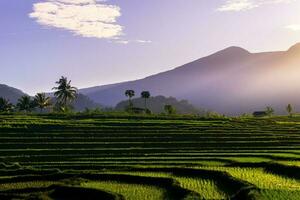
(144, 157)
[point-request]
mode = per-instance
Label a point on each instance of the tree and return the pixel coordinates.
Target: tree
(170, 110)
(65, 93)
(289, 109)
(42, 101)
(130, 94)
(5, 105)
(269, 111)
(25, 104)
(145, 95)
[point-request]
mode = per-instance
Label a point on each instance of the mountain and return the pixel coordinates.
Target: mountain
(232, 81)
(10, 93)
(156, 105)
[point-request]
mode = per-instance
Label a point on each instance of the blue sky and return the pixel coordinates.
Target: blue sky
(100, 42)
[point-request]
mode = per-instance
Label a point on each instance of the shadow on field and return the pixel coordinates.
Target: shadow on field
(70, 183)
(172, 189)
(60, 192)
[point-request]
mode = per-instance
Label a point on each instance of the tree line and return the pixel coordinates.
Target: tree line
(64, 94)
(169, 109)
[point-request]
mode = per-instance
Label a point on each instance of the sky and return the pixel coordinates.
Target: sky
(97, 42)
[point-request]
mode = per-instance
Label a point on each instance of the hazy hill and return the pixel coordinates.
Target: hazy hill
(10, 93)
(82, 102)
(156, 105)
(231, 81)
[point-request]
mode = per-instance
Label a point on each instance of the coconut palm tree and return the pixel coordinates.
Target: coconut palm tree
(65, 93)
(5, 105)
(145, 95)
(42, 101)
(289, 109)
(25, 104)
(130, 94)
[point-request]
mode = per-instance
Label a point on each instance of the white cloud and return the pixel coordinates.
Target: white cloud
(122, 41)
(237, 5)
(293, 27)
(242, 5)
(133, 41)
(87, 18)
(143, 41)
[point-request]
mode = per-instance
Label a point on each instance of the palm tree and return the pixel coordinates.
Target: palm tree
(289, 109)
(130, 94)
(5, 105)
(145, 95)
(42, 101)
(65, 93)
(25, 104)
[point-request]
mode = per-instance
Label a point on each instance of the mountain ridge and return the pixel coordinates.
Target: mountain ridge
(10, 93)
(219, 79)
(231, 81)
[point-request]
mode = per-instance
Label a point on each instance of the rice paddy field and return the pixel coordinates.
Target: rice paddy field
(148, 157)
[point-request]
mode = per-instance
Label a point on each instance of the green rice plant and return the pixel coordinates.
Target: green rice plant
(129, 191)
(147, 174)
(24, 185)
(266, 180)
(261, 178)
(280, 195)
(242, 159)
(212, 163)
(104, 141)
(205, 187)
(290, 163)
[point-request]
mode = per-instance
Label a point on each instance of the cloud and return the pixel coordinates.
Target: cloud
(293, 27)
(143, 41)
(237, 5)
(120, 41)
(242, 5)
(87, 18)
